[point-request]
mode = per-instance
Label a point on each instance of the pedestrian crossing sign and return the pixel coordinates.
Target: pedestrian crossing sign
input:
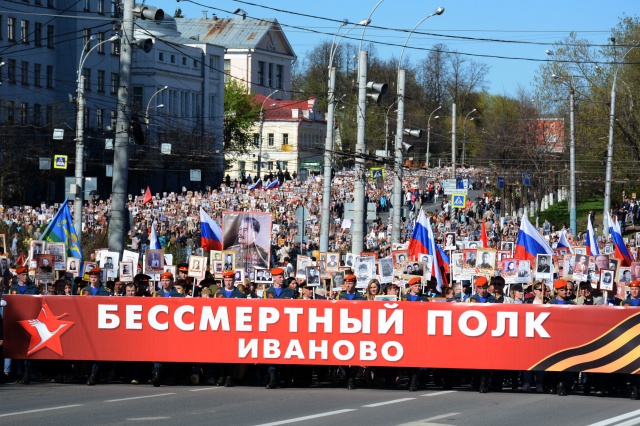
(458, 201)
(60, 161)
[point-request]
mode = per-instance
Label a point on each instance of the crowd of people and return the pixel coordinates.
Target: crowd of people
(177, 220)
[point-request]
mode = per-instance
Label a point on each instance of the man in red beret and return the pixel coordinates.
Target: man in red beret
(24, 285)
(415, 291)
(350, 292)
(168, 290)
(277, 291)
(560, 288)
(482, 291)
(94, 288)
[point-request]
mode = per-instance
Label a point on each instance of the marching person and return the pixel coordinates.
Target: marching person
(350, 293)
(414, 295)
(634, 301)
(229, 291)
(95, 288)
(168, 290)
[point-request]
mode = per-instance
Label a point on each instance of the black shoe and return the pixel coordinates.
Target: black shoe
(562, 390)
(155, 377)
(220, 381)
(600, 394)
(273, 381)
(59, 378)
(195, 379)
(228, 382)
(635, 395)
(92, 379)
(483, 385)
(351, 384)
(413, 385)
(526, 387)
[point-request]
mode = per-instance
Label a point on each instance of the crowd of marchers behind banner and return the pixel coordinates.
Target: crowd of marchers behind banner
(175, 216)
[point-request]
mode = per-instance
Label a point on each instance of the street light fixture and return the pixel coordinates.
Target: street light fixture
(146, 114)
(79, 173)
(397, 183)
(464, 134)
(261, 129)
(429, 132)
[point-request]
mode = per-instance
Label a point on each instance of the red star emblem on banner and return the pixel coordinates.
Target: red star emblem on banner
(46, 330)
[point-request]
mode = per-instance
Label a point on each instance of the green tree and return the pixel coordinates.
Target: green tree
(241, 112)
(178, 13)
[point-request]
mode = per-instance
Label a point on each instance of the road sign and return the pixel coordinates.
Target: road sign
(60, 161)
(526, 179)
(500, 182)
(458, 201)
(451, 186)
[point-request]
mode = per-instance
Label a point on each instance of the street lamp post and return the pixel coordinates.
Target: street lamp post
(261, 129)
(386, 129)
(79, 172)
(146, 114)
(397, 183)
(464, 135)
(429, 132)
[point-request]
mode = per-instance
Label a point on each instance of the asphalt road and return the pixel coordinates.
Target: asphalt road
(116, 404)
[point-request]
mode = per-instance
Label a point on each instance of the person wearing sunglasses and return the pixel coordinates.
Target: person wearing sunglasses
(560, 287)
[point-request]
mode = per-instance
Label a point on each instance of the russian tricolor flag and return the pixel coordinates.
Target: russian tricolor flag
(618, 243)
(256, 185)
(153, 238)
(210, 232)
(592, 244)
(423, 242)
(530, 243)
(563, 243)
(272, 185)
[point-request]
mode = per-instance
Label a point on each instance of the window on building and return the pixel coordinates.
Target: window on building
(115, 47)
(24, 111)
(161, 56)
(270, 139)
(195, 63)
(172, 59)
(101, 7)
(261, 73)
(38, 2)
(136, 104)
(256, 139)
(37, 34)
(227, 70)
(49, 112)
(87, 117)
(255, 166)
(270, 75)
(11, 111)
(37, 114)
(100, 81)
(86, 5)
(49, 76)
(86, 37)
(279, 72)
(24, 32)
(184, 61)
(100, 118)
(1, 21)
(99, 44)
(113, 116)
(50, 36)
(213, 107)
(282, 165)
(37, 75)
(114, 8)
(11, 28)
(24, 78)
(115, 82)
(11, 71)
(86, 72)
(269, 165)
(285, 139)
(50, 3)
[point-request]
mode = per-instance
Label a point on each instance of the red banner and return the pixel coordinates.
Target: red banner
(438, 335)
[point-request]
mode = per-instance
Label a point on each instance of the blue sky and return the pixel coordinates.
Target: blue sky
(539, 21)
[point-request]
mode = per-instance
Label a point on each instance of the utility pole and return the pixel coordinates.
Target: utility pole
(397, 180)
(453, 141)
(328, 155)
(359, 207)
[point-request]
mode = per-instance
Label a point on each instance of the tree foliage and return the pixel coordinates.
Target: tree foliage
(241, 111)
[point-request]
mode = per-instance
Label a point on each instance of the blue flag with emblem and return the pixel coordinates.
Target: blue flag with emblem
(61, 230)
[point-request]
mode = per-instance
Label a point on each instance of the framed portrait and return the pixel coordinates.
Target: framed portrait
(35, 248)
(239, 277)
(614, 264)
(73, 266)
(337, 281)
(333, 261)
(131, 256)
(606, 279)
(580, 267)
(312, 276)
(322, 268)
(637, 239)
(215, 255)
(323, 256)
(502, 254)
(524, 272)
(301, 268)
(544, 266)
(450, 241)
(486, 260)
(473, 244)
(507, 246)
(348, 259)
(125, 271)
(399, 257)
(624, 276)
(568, 264)
(369, 254)
(385, 270)
(386, 298)
(469, 259)
(580, 250)
(154, 261)
(229, 260)
(197, 266)
(109, 262)
(248, 233)
(413, 269)
(457, 265)
(45, 270)
(364, 273)
(509, 270)
(608, 248)
(168, 259)
(427, 259)
(87, 267)
(172, 269)
(263, 276)
(216, 268)
(59, 251)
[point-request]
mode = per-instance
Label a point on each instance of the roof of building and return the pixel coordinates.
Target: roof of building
(235, 33)
(283, 110)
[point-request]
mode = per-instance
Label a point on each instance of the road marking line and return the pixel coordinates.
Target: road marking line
(146, 419)
(62, 407)
(313, 416)
(438, 393)
(378, 404)
(632, 422)
(203, 389)
(441, 416)
(613, 420)
(139, 397)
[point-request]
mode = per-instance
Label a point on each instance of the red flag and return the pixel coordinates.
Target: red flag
(483, 236)
(21, 260)
(147, 196)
